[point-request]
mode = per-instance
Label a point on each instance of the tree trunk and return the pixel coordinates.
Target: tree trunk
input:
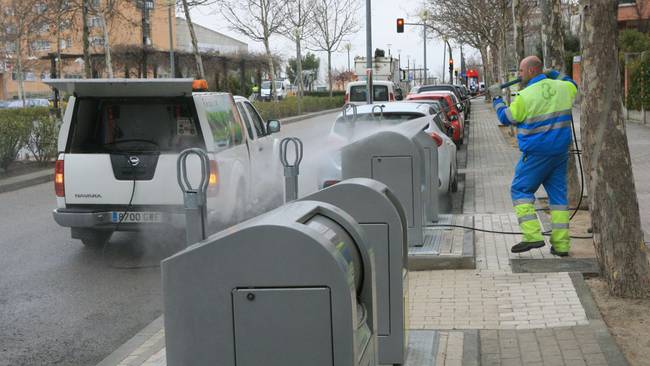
(487, 74)
(552, 35)
(19, 66)
(618, 239)
(553, 49)
(107, 47)
(269, 58)
(451, 57)
(299, 72)
(195, 44)
(86, 42)
(518, 30)
(329, 70)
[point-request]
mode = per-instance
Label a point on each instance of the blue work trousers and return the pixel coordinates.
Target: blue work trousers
(535, 170)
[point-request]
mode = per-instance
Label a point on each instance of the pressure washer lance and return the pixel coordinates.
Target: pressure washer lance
(194, 198)
(291, 171)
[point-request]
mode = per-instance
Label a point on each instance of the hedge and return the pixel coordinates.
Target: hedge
(639, 83)
(335, 93)
(34, 129)
(289, 107)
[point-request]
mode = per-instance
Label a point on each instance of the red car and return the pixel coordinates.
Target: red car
(447, 100)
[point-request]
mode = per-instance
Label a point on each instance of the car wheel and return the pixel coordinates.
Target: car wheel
(96, 239)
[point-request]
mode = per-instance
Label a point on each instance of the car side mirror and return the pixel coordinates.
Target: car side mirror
(273, 126)
(459, 106)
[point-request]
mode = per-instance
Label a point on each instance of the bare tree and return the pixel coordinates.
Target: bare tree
(518, 29)
(106, 11)
(477, 23)
(553, 50)
(620, 249)
(257, 20)
(299, 21)
(334, 20)
(187, 5)
(20, 23)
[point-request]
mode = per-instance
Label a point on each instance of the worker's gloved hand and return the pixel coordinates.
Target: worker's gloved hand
(495, 91)
(496, 102)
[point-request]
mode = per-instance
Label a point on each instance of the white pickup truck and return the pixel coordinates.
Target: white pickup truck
(118, 148)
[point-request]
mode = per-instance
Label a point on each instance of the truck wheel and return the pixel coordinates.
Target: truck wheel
(95, 238)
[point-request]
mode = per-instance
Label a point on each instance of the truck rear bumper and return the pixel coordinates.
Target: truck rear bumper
(89, 218)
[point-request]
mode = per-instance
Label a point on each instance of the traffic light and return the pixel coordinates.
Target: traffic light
(456, 73)
(451, 65)
(400, 25)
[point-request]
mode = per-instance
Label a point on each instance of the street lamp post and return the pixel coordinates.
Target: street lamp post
(368, 52)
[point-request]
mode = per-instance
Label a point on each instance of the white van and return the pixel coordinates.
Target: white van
(118, 149)
(281, 89)
(383, 91)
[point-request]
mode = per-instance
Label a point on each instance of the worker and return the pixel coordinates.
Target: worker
(542, 114)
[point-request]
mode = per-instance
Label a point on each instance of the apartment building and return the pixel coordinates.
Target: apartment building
(131, 23)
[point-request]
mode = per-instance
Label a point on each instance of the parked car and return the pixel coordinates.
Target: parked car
(29, 102)
(451, 107)
(371, 118)
(281, 89)
(456, 89)
(383, 91)
(118, 149)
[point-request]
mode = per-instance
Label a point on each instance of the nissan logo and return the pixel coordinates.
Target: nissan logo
(134, 160)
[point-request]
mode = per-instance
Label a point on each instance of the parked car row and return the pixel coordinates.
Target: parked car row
(29, 102)
(371, 118)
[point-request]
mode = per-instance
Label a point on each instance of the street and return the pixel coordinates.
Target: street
(63, 304)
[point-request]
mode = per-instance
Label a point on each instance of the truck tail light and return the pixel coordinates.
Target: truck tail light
(346, 98)
(436, 138)
(213, 182)
(391, 97)
(59, 186)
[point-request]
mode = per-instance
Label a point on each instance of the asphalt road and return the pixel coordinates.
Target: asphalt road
(63, 304)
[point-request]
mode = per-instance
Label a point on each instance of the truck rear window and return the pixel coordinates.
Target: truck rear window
(358, 93)
(106, 125)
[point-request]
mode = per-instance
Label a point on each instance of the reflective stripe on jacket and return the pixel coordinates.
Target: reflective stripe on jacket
(542, 114)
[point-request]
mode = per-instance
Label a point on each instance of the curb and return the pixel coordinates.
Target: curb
(607, 344)
(14, 186)
(117, 356)
(302, 117)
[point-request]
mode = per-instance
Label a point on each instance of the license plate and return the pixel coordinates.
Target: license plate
(136, 217)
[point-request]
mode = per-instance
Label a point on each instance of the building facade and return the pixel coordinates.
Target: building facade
(130, 23)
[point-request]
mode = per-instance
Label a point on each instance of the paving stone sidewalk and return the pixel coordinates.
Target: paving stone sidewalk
(490, 316)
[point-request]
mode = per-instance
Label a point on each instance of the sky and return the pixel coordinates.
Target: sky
(407, 45)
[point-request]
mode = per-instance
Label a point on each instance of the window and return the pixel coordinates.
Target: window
(257, 120)
(358, 93)
(66, 43)
(224, 123)
(149, 4)
(246, 119)
(40, 45)
(101, 125)
(43, 28)
(94, 4)
(65, 24)
(94, 22)
(96, 41)
(10, 47)
(40, 8)
(27, 76)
